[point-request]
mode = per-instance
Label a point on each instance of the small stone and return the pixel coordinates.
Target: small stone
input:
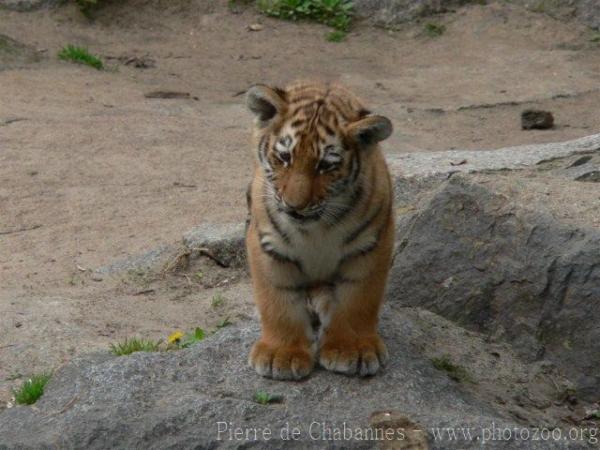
(97, 277)
(167, 94)
(255, 27)
(590, 177)
(536, 119)
(581, 161)
(26, 5)
(18, 324)
(448, 282)
(399, 431)
(139, 62)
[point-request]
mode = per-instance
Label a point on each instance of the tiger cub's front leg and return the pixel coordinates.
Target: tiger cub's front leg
(350, 343)
(284, 349)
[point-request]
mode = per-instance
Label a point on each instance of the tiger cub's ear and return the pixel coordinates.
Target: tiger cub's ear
(265, 102)
(370, 130)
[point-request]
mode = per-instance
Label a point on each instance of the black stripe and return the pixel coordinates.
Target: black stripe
(300, 219)
(280, 92)
(356, 166)
(279, 257)
(316, 114)
(249, 196)
(262, 148)
(307, 286)
(294, 288)
(306, 108)
(341, 108)
(312, 98)
(363, 226)
(336, 279)
(360, 252)
(276, 225)
(340, 279)
(335, 120)
(249, 203)
(298, 123)
(369, 248)
(356, 196)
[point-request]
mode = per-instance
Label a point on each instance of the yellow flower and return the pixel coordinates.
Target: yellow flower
(175, 337)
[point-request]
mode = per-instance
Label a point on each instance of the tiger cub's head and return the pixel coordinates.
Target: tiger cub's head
(313, 142)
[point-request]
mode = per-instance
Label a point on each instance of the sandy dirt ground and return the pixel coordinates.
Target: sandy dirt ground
(92, 171)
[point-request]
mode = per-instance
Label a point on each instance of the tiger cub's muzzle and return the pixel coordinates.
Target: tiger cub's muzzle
(303, 213)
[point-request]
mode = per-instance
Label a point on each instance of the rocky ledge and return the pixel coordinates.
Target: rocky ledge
(491, 322)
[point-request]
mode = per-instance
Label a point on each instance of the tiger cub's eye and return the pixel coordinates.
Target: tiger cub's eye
(331, 161)
(284, 157)
(327, 166)
(282, 150)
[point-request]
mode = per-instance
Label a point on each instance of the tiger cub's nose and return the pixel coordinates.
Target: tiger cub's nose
(297, 192)
(295, 205)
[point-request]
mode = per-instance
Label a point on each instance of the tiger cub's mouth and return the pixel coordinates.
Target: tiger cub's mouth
(306, 215)
(301, 217)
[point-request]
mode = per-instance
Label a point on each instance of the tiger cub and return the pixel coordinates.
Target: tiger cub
(320, 231)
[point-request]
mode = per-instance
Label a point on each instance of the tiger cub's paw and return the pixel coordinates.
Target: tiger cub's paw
(281, 363)
(362, 356)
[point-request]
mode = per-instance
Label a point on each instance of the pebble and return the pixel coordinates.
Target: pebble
(536, 119)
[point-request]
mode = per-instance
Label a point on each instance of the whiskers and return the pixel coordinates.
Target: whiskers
(268, 190)
(330, 211)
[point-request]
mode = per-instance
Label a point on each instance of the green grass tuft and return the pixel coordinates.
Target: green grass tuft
(87, 7)
(336, 36)
(233, 4)
(31, 390)
(224, 323)
(264, 398)
(217, 301)
(433, 29)
(80, 55)
(191, 338)
(129, 346)
(457, 373)
(334, 13)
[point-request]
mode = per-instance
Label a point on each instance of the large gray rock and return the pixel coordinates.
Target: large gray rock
(28, 5)
(511, 257)
(394, 12)
(485, 252)
(423, 165)
(589, 12)
(180, 400)
(224, 241)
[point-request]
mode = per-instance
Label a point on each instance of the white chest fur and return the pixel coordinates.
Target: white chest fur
(318, 248)
(319, 251)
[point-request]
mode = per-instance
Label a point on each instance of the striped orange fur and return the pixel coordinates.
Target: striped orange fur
(320, 232)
